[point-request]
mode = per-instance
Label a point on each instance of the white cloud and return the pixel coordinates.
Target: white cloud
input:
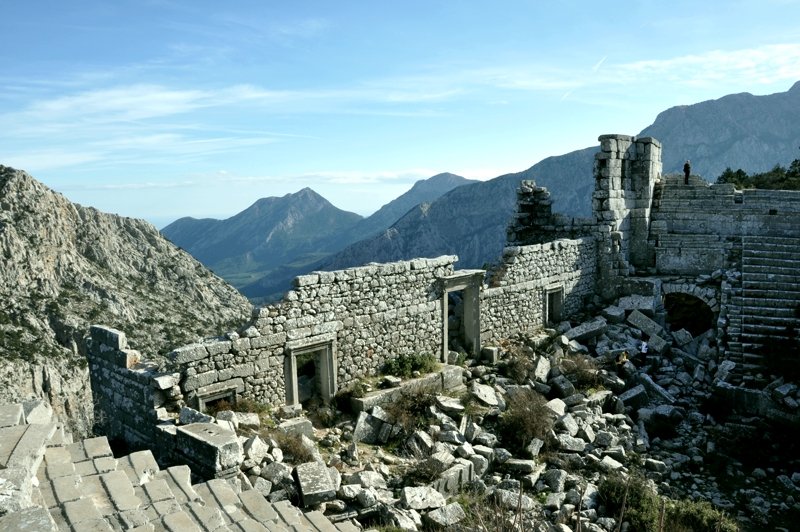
(762, 65)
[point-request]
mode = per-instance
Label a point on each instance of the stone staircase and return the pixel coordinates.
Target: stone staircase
(48, 483)
(769, 295)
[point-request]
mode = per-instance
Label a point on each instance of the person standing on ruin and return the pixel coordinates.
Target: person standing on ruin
(687, 169)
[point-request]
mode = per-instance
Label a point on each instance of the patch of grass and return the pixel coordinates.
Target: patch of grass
(405, 365)
(526, 417)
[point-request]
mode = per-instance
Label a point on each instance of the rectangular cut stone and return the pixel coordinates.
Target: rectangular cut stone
(188, 353)
(11, 415)
(643, 304)
(209, 447)
(315, 483)
(644, 324)
(107, 336)
(657, 344)
(587, 330)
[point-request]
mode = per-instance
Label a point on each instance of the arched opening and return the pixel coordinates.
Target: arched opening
(688, 312)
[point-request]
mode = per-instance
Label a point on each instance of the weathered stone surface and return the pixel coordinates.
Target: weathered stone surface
(613, 314)
(587, 330)
(484, 394)
(315, 483)
(297, 427)
(636, 397)
(190, 415)
(644, 324)
(367, 429)
(421, 498)
(446, 516)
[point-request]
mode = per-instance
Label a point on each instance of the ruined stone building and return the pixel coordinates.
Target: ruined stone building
(732, 254)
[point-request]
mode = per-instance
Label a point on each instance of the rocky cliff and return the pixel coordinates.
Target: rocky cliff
(65, 266)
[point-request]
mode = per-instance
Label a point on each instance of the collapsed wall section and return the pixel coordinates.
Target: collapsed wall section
(540, 283)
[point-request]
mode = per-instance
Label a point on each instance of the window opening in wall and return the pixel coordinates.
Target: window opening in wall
(554, 303)
(211, 404)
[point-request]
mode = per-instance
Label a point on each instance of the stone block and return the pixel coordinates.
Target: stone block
(421, 498)
(11, 415)
(682, 337)
(587, 330)
(299, 426)
(484, 393)
(209, 448)
(367, 428)
(491, 355)
(188, 353)
(644, 324)
(568, 443)
(125, 358)
(643, 304)
(636, 397)
(445, 517)
(190, 415)
(107, 336)
(314, 482)
(38, 411)
(165, 381)
(657, 344)
(613, 314)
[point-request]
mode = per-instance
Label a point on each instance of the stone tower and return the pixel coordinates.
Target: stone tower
(625, 171)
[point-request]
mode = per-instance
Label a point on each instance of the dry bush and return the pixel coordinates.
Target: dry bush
(409, 410)
(292, 445)
(526, 417)
(581, 370)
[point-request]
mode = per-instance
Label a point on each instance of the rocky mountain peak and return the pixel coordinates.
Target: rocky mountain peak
(66, 266)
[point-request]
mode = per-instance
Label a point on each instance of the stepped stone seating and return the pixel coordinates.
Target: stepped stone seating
(48, 483)
(770, 292)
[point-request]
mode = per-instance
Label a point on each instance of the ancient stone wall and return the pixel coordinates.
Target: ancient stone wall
(626, 170)
(699, 228)
(127, 391)
(540, 281)
(359, 318)
(536, 223)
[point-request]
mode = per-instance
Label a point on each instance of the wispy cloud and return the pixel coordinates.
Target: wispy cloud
(761, 65)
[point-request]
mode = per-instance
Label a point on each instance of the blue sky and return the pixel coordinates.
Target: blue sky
(161, 109)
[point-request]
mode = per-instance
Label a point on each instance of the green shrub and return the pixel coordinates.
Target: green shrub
(526, 417)
(405, 365)
(697, 516)
(641, 502)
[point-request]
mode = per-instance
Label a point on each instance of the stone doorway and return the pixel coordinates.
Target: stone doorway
(310, 371)
(464, 287)
(553, 304)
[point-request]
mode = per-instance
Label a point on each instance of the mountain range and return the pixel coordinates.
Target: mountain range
(66, 267)
(469, 219)
(261, 249)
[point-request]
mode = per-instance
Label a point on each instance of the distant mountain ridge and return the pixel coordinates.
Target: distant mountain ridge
(271, 232)
(66, 267)
(261, 249)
